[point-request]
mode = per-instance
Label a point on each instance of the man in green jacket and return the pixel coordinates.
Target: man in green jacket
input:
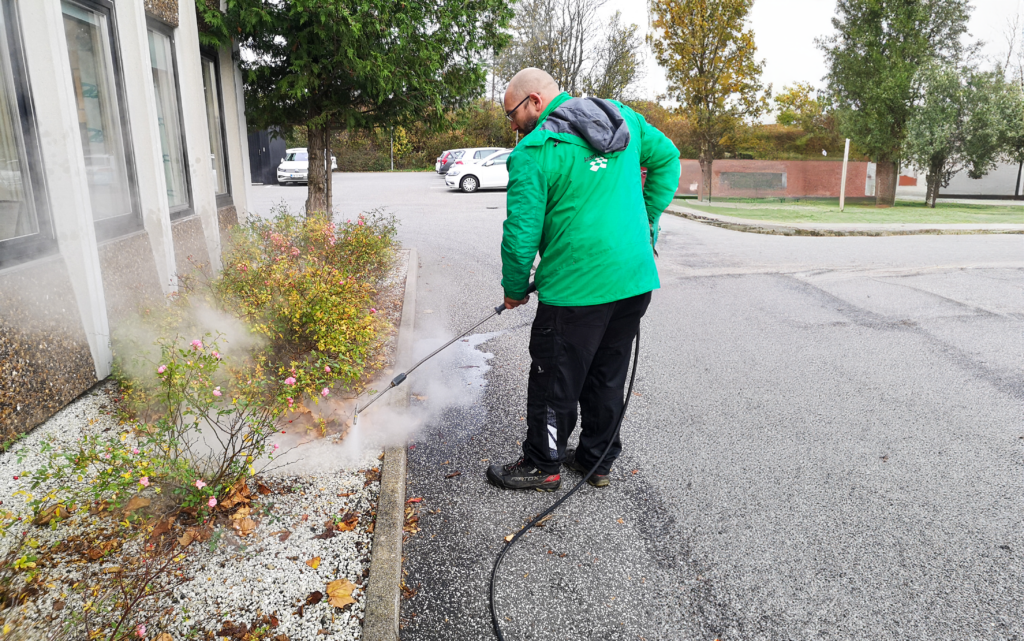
(575, 197)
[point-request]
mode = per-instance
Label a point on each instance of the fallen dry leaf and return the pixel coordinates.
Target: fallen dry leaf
(509, 537)
(415, 500)
(245, 526)
(241, 513)
(102, 549)
(348, 524)
(263, 489)
(113, 570)
(163, 636)
(284, 537)
(50, 513)
(161, 528)
(339, 593)
(314, 563)
(620, 521)
(328, 533)
(186, 539)
(315, 597)
(137, 503)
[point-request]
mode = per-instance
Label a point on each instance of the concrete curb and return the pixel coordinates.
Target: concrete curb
(383, 601)
(824, 229)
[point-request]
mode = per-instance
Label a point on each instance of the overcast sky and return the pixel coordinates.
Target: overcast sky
(784, 31)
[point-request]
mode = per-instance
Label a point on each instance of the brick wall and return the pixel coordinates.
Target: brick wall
(774, 179)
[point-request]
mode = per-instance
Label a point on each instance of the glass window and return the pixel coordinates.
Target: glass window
(24, 226)
(168, 114)
(211, 87)
(99, 111)
(299, 156)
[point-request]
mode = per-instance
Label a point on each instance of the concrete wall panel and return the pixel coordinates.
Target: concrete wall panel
(45, 360)
(130, 278)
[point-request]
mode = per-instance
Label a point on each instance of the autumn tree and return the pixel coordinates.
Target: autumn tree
(567, 39)
(873, 57)
(331, 65)
(708, 56)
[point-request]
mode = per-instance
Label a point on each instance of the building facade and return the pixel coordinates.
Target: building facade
(123, 158)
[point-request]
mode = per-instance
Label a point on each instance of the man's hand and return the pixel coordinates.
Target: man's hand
(511, 303)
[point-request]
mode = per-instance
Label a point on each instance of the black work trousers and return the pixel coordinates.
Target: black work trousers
(580, 356)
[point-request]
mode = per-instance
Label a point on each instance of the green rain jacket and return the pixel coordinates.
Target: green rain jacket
(575, 196)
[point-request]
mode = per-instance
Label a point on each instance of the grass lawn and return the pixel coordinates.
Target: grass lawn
(827, 211)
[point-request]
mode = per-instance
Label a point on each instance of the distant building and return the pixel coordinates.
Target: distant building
(123, 157)
(1005, 181)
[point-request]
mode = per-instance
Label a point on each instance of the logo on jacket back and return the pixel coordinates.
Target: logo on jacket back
(598, 163)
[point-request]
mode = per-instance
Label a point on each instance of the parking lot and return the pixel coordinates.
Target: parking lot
(827, 439)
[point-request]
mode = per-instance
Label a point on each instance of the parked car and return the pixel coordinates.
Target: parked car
(294, 167)
(443, 160)
(490, 172)
(448, 159)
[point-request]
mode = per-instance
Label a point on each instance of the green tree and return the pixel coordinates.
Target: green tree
(708, 57)
(565, 38)
(1011, 117)
(957, 124)
(873, 58)
(333, 65)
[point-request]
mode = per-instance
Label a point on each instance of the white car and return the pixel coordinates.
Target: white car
(489, 172)
(294, 167)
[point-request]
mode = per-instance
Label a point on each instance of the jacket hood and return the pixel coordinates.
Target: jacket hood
(595, 120)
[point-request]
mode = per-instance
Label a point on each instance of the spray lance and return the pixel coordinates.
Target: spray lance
(398, 380)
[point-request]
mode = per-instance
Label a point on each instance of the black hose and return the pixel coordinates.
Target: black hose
(536, 519)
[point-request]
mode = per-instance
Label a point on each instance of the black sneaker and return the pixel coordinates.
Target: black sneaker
(522, 476)
(597, 480)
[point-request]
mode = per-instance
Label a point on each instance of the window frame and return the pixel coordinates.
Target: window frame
(129, 223)
(181, 211)
(205, 53)
(43, 242)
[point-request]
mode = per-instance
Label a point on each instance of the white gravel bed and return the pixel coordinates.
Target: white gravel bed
(234, 578)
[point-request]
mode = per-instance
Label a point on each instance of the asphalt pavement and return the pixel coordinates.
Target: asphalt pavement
(826, 439)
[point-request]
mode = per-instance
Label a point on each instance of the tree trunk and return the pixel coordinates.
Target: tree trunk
(329, 178)
(928, 183)
(316, 202)
(885, 183)
(1016, 186)
(706, 158)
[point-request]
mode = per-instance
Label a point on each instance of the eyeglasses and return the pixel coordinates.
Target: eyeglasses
(508, 114)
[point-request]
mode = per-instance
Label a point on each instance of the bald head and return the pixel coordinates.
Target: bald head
(532, 80)
(528, 94)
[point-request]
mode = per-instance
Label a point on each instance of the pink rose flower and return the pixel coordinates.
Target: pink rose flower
(324, 392)
(216, 355)
(144, 481)
(212, 502)
(373, 310)
(200, 484)
(135, 450)
(276, 446)
(106, 455)
(161, 369)
(140, 631)
(327, 368)
(289, 381)
(197, 344)
(216, 391)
